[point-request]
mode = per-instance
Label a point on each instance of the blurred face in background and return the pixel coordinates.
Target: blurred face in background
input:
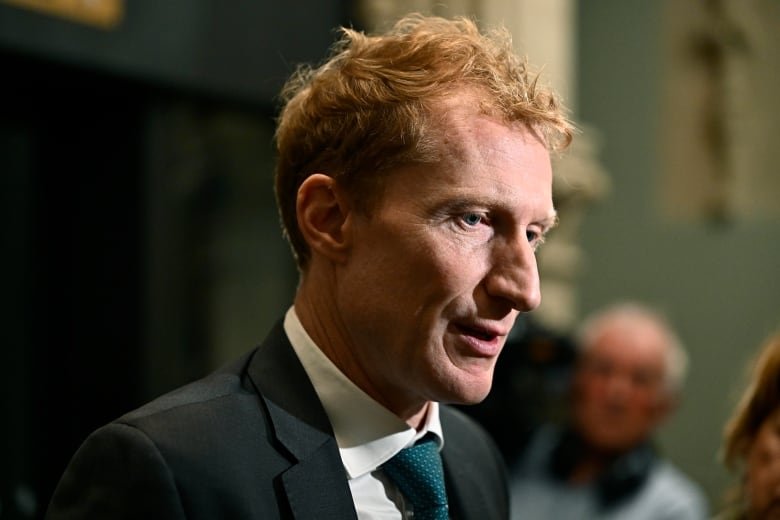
(762, 483)
(620, 387)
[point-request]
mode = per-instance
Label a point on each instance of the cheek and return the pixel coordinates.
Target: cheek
(759, 485)
(440, 277)
(763, 476)
(590, 392)
(648, 404)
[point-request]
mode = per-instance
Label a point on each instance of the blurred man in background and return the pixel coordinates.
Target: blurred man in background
(601, 463)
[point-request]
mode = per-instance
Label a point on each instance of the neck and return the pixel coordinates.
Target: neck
(318, 312)
(417, 420)
(589, 466)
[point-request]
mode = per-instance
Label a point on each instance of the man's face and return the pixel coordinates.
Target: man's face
(620, 394)
(444, 262)
(763, 471)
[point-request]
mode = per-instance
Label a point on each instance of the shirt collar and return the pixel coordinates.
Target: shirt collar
(367, 433)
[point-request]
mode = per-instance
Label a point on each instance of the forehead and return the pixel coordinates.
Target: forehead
(466, 115)
(473, 142)
(768, 433)
(637, 344)
(480, 163)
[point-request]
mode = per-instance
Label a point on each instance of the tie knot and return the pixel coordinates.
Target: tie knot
(418, 473)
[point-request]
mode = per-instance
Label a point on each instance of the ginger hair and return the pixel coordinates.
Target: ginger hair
(371, 106)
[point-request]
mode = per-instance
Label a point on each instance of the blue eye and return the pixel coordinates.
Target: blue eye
(472, 219)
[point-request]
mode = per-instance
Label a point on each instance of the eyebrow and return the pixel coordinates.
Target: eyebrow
(462, 203)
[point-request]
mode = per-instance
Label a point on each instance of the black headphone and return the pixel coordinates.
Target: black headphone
(622, 479)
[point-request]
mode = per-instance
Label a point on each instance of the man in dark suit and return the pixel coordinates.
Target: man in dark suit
(414, 184)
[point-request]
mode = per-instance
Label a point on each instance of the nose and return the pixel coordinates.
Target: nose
(514, 275)
(617, 386)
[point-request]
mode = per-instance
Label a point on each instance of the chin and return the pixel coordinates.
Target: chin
(461, 383)
(470, 393)
(473, 400)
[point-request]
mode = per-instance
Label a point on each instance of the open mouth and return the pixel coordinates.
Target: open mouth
(477, 332)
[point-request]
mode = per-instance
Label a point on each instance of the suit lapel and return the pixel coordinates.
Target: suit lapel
(316, 483)
(472, 494)
(464, 502)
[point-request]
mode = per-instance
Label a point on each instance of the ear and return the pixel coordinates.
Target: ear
(323, 216)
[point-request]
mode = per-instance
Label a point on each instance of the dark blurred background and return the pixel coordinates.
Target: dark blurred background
(134, 155)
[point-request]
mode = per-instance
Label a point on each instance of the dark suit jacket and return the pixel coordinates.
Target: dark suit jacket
(250, 441)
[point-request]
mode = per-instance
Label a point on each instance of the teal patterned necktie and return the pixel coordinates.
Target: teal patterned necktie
(417, 471)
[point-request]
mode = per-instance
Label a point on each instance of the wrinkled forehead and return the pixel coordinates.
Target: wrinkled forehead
(460, 119)
(640, 343)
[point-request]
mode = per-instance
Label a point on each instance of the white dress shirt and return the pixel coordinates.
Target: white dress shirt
(367, 433)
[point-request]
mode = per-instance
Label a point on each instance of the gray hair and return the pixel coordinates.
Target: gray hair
(631, 312)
